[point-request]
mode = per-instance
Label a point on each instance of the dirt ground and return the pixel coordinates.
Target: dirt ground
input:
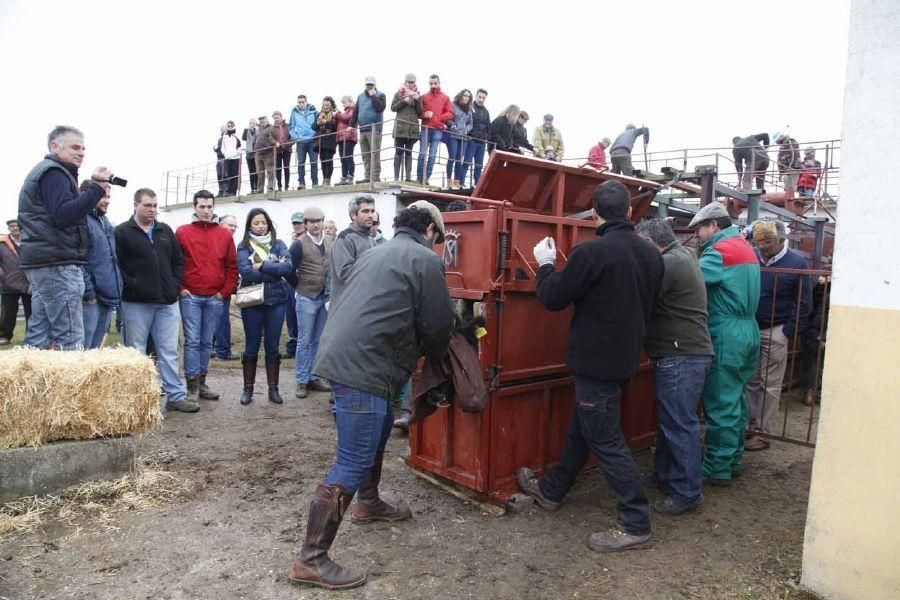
(250, 473)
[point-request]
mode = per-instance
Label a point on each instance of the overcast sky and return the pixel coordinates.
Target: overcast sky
(150, 83)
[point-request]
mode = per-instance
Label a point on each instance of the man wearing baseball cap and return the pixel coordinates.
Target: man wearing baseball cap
(731, 271)
(395, 302)
(369, 117)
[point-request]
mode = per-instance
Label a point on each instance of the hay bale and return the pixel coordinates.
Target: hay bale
(47, 395)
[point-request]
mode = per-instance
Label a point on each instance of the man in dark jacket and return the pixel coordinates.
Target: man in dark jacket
(520, 134)
(679, 345)
(102, 280)
(55, 240)
(369, 117)
(13, 283)
(778, 315)
(352, 242)
(613, 281)
(788, 160)
(620, 151)
(210, 275)
(478, 139)
(395, 308)
(751, 159)
(152, 268)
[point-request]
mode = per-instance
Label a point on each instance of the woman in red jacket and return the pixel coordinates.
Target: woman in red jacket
(346, 140)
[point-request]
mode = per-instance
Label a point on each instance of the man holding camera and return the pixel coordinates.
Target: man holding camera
(55, 240)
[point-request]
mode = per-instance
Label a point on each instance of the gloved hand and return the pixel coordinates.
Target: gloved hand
(545, 251)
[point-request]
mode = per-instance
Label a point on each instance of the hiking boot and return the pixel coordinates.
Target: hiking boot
(313, 565)
(616, 540)
(671, 506)
(187, 405)
(402, 422)
(369, 506)
(205, 393)
(301, 390)
(249, 366)
(301, 187)
(273, 367)
(193, 388)
(319, 385)
(326, 182)
(530, 485)
(716, 481)
(755, 444)
(4, 341)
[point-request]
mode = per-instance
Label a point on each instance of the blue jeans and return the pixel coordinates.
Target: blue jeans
(308, 148)
(595, 429)
(454, 155)
(199, 319)
(96, 323)
(364, 423)
(290, 312)
(311, 317)
(56, 314)
(678, 382)
(222, 339)
(473, 153)
(265, 319)
(143, 320)
(429, 141)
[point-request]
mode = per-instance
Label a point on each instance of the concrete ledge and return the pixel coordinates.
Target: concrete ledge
(52, 468)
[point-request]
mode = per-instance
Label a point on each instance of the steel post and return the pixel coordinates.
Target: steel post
(819, 241)
(708, 180)
(753, 205)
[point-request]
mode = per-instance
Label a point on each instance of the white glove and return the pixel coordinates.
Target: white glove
(327, 305)
(545, 251)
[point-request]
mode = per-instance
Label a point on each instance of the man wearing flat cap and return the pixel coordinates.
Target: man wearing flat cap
(548, 136)
(731, 272)
(395, 306)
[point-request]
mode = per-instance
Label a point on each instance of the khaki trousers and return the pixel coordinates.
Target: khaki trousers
(265, 168)
(764, 389)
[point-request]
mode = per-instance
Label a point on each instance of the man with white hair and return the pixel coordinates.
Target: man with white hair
(55, 240)
(780, 315)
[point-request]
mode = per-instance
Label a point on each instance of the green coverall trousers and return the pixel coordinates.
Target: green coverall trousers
(736, 343)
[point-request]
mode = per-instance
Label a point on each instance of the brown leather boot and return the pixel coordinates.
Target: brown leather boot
(369, 507)
(313, 566)
(273, 367)
(249, 365)
(205, 392)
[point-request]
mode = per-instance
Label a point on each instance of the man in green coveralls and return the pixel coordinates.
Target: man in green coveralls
(731, 272)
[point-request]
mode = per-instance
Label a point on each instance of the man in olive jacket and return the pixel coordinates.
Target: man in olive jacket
(394, 308)
(613, 282)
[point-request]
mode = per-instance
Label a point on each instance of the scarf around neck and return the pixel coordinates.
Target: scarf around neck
(261, 246)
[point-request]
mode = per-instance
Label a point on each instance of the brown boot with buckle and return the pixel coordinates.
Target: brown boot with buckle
(205, 393)
(313, 566)
(369, 507)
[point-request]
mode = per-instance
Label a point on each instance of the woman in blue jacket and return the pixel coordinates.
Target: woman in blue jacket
(262, 258)
(458, 128)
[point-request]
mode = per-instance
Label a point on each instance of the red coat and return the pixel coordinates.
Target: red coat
(345, 133)
(597, 156)
(210, 260)
(809, 176)
(438, 103)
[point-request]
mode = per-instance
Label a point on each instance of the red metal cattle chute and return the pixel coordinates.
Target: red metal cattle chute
(491, 270)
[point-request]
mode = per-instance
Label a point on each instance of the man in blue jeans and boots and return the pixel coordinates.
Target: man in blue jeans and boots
(152, 268)
(678, 343)
(55, 240)
(210, 275)
(311, 259)
(613, 281)
(394, 307)
(303, 129)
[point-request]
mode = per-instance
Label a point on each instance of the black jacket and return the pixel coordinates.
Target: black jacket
(481, 123)
(394, 308)
(152, 272)
(613, 281)
(502, 134)
(520, 138)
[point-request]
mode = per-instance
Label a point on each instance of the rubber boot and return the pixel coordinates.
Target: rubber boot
(249, 364)
(398, 160)
(205, 393)
(273, 367)
(369, 506)
(409, 171)
(313, 566)
(193, 388)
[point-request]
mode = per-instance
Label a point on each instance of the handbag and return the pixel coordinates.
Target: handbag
(251, 295)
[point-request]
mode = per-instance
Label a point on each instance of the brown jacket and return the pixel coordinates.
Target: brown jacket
(12, 276)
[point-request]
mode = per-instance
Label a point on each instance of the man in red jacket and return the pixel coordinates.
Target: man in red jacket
(437, 110)
(210, 276)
